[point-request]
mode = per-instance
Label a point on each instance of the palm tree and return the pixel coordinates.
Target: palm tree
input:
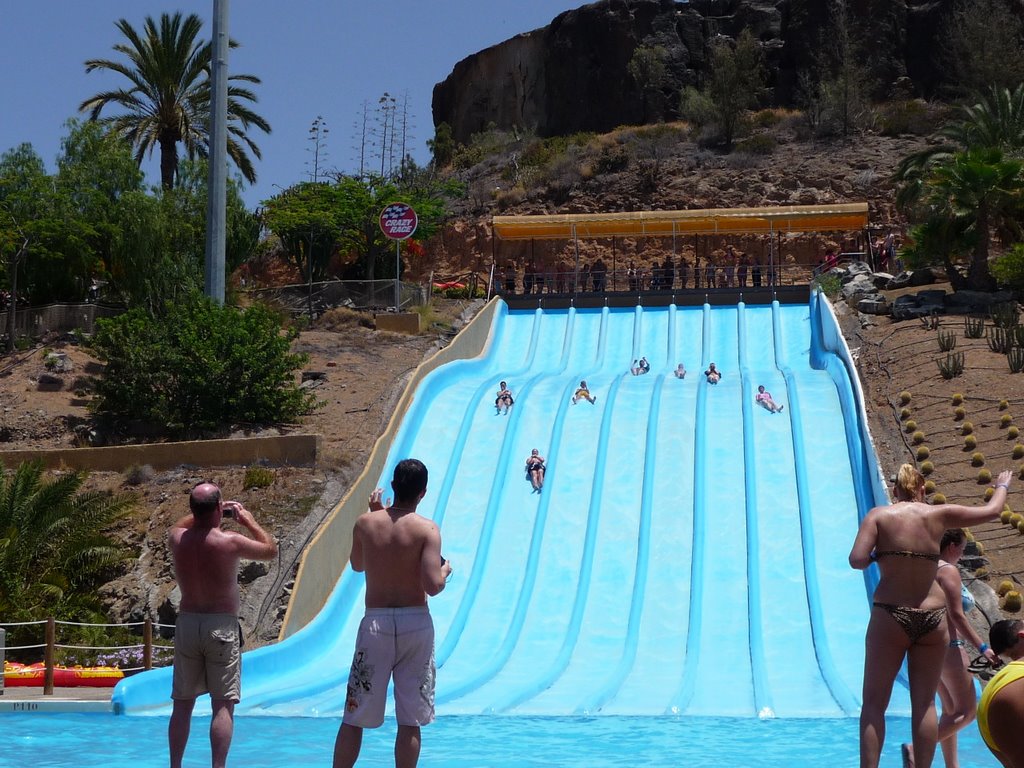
(169, 98)
(54, 549)
(964, 198)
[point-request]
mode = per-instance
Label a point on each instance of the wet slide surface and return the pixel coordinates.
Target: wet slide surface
(687, 555)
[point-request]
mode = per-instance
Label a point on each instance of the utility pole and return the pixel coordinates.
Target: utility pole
(216, 207)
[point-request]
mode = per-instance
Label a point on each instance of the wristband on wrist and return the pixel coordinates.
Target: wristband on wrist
(1004, 486)
(983, 647)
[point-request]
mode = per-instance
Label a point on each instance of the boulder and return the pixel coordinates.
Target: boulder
(881, 280)
(251, 570)
(857, 288)
(912, 279)
(873, 304)
(976, 301)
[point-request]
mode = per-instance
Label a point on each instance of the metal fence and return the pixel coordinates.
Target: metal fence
(315, 298)
(61, 318)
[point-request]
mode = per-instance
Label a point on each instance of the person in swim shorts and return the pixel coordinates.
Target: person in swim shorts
(712, 374)
(535, 469)
(680, 371)
(582, 393)
(1001, 709)
(908, 615)
(400, 552)
(764, 399)
(207, 637)
(504, 399)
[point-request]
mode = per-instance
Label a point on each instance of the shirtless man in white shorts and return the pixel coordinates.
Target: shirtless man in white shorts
(207, 638)
(400, 551)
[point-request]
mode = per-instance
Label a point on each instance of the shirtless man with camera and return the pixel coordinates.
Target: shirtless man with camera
(207, 638)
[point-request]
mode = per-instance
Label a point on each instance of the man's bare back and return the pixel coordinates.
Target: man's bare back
(400, 551)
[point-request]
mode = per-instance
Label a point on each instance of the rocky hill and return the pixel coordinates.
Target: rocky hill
(573, 74)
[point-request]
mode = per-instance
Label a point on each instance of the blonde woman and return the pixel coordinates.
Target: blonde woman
(908, 614)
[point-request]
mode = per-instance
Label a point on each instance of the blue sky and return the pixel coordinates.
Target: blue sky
(315, 57)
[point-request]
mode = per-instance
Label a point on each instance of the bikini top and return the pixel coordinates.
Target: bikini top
(908, 553)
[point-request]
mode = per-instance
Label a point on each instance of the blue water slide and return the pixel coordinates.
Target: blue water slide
(687, 554)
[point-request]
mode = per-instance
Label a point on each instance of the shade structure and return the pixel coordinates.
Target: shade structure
(838, 217)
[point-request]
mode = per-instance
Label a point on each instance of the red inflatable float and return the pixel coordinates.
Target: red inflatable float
(28, 675)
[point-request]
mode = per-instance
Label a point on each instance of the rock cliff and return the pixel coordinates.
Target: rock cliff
(573, 75)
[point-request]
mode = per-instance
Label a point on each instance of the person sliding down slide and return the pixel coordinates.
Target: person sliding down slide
(764, 399)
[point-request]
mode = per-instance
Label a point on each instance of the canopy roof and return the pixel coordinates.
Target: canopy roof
(839, 217)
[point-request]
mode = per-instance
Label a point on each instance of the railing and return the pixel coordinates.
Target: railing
(50, 646)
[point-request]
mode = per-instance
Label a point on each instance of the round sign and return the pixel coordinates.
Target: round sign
(398, 221)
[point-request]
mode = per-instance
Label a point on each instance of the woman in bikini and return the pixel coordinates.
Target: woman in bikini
(956, 686)
(909, 607)
(504, 399)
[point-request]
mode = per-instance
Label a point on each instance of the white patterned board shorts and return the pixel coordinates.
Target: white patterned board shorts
(392, 643)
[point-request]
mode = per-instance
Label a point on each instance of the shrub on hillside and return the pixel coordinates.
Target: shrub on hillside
(899, 117)
(197, 367)
(1009, 268)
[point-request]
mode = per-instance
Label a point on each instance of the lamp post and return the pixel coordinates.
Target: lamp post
(216, 205)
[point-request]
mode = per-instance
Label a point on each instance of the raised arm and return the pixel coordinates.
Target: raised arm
(261, 546)
(960, 516)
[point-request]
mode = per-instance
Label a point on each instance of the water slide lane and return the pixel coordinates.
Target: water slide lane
(717, 650)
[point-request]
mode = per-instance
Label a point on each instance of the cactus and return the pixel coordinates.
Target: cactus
(1000, 340)
(1004, 404)
(952, 366)
(1015, 359)
(1018, 336)
(1004, 314)
(947, 341)
(1004, 586)
(984, 477)
(939, 498)
(1005, 420)
(904, 397)
(989, 493)
(981, 573)
(1020, 472)
(978, 459)
(966, 428)
(959, 414)
(910, 426)
(958, 399)
(1011, 601)
(905, 414)
(923, 453)
(917, 438)
(929, 487)
(1012, 433)
(1020, 527)
(970, 443)
(926, 468)
(974, 327)
(1004, 516)
(1018, 451)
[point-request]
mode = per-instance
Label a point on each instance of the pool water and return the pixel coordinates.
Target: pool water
(106, 741)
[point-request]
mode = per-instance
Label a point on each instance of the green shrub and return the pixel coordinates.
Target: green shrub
(758, 144)
(258, 477)
(198, 367)
(911, 116)
(1009, 268)
(137, 475)
(829, 284)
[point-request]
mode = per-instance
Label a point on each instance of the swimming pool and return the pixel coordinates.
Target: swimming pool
(106, 741)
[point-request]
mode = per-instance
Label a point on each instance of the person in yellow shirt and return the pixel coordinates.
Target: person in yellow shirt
(1001, 709)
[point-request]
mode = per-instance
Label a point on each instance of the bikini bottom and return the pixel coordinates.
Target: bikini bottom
(916, 622)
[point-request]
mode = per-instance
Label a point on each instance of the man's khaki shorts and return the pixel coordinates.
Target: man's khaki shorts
(207, 656)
